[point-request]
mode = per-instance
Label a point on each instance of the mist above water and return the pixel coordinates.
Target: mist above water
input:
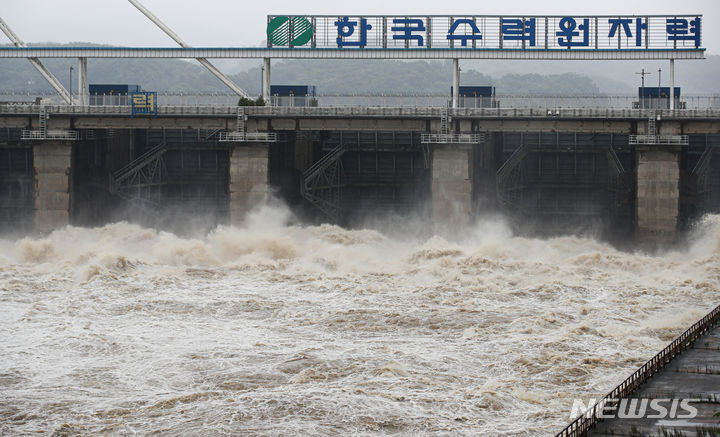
(270, 328)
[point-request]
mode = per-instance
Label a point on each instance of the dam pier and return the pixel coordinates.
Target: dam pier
(645, 172)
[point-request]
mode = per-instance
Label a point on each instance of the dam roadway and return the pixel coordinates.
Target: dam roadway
(421, 119)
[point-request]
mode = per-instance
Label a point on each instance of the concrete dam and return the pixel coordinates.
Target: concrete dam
(638, 174)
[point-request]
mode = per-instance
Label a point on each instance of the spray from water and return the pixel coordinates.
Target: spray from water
(276, 328)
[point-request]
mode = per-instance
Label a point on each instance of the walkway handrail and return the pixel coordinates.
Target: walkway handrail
(368, 111)
(586, 421)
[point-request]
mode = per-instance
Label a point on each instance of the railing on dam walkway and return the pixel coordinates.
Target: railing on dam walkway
(588, 420)
(367, 111)
(392, 99)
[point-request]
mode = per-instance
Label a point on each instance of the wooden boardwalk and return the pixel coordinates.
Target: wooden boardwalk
(694, 374)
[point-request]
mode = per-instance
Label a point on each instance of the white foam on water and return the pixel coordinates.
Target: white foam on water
(279, 329)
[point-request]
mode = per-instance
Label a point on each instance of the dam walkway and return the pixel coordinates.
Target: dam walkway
(683, 380)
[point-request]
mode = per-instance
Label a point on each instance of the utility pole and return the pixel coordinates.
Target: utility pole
(642, 74)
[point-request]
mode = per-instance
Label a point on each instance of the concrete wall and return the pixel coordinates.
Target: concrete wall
(451, 189)
(53, 169)
(658, 195)
(248, 179)
(355, 124)
(421, 124)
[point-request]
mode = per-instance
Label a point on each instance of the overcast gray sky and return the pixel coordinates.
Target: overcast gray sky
(226, 23)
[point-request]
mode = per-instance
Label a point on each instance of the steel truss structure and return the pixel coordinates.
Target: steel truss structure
(142, 176)
(322, 183)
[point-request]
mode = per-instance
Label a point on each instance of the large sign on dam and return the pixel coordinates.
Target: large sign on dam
(601, 33)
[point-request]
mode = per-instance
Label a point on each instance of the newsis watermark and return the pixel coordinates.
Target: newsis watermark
(637, 408)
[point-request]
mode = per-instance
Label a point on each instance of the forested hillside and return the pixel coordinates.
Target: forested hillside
(377, 76)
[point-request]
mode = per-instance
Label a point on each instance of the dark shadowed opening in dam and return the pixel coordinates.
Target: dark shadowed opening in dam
(16, 183)
(543, 183)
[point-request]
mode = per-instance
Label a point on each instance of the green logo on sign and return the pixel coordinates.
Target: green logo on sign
(278, 31)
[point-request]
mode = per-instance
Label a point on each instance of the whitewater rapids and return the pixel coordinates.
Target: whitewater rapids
(270, 329)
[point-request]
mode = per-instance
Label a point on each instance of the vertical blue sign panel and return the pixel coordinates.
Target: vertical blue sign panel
(143, 103)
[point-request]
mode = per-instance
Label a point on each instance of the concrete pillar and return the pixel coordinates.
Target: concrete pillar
(83, 98)
(658, 195)
(53, 184)
(451, 189)
(248, 179)
(672, 84)
(266, 81)
(456, 83)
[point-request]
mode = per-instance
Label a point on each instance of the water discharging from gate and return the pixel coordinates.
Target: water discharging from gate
(276, 329)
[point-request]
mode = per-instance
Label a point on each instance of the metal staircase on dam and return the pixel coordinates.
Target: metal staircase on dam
(210, 134)
(618, 185)
(322, 183)
(702, 174)
(510, 179)
(139, 180)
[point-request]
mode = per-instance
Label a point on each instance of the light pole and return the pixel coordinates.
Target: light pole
(71, 99)
(642, 79)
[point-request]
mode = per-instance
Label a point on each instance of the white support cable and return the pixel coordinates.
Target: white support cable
(203, 61)
(52, 80)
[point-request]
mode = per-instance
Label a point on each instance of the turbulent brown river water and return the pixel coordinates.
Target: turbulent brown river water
(269, 329)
